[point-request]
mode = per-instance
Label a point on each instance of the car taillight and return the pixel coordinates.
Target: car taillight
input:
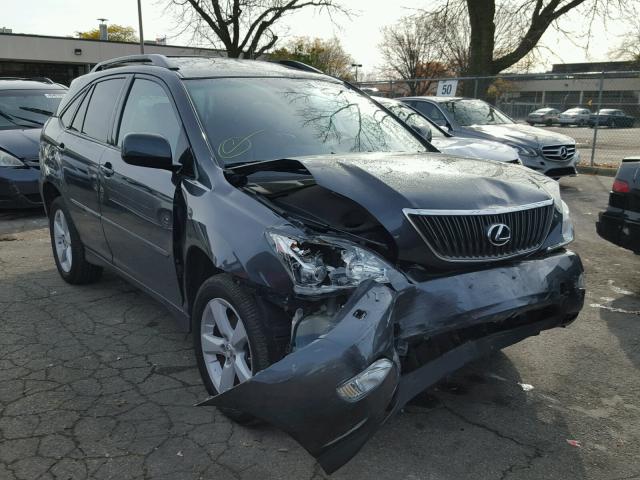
(620, 186)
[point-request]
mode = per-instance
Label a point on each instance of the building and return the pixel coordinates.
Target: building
(64, 58)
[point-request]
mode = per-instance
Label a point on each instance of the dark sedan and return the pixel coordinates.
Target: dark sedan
(620, 222)
(25, 105)
(611, 117)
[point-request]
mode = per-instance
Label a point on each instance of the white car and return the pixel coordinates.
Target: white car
(575, 116)
(447, 143)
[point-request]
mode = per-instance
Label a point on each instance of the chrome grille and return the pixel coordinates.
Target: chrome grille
(463, 235)
(559, 153)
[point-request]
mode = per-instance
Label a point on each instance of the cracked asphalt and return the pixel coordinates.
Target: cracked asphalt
(96, 382)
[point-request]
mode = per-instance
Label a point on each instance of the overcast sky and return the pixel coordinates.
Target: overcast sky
(359, 36)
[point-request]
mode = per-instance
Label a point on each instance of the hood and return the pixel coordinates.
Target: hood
(383, 184)
(475, 148)
(521, 134)
(20, 143)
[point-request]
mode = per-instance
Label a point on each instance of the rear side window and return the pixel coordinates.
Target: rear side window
(67, 117)
(149, 110)
(97, 122)
(82, 110)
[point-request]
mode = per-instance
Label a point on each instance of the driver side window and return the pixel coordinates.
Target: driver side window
(432, 112)
(149, 110)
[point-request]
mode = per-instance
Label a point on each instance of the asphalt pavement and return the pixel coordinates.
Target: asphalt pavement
(96, 382)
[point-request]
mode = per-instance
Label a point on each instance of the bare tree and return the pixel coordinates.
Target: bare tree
(629, 47)
(535, 17)
(411, 50)
(244, 28)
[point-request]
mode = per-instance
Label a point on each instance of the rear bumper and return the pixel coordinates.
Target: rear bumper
(484, 310)
(19, 188)
(621, 228)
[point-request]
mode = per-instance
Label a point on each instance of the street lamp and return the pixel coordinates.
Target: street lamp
(356, 65)
(140, 26)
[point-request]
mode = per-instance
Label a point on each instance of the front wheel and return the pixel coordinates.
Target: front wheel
(231, 341)
(68, 249)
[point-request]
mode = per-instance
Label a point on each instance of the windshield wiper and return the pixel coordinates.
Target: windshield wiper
(11, 119)
(37, 110)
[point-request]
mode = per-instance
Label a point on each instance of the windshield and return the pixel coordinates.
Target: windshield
(27, 108)
(255, 119)
(414, 119)
(543, 110)
(475, 112)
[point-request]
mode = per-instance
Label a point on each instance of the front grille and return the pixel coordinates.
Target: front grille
(463, 236)
(559, 153)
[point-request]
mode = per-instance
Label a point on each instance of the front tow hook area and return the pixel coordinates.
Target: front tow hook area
(312, 394)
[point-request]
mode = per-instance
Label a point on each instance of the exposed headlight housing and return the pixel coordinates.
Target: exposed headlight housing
(522, 150)
(8, 160)
(323, 264)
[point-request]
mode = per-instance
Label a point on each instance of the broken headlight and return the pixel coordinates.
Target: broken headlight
(567, 227)
(322, 264)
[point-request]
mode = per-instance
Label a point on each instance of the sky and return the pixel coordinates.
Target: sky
(359, 35)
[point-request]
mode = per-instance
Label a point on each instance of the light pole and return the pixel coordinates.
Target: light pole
(140, 26)
(356, 65)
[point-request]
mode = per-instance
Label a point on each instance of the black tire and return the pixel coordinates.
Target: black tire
(549, 123)
(264, 348)
(611, 123)
(531, 123)
(81, 271)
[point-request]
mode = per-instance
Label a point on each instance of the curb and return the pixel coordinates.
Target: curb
(605, 171)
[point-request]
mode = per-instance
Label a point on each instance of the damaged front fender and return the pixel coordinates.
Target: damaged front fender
(298, 394)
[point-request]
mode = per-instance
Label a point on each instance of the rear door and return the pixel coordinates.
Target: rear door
(137, 205)
(87, 123)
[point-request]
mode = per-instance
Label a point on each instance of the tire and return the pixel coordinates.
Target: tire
(549, 123)
(531, 123)
(258, 352)
(68, 249)
(611, 123)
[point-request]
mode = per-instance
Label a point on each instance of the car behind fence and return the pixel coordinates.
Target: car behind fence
(605, 106)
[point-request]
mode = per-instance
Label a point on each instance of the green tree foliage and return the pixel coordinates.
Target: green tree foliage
(117, 33)
(326, 55)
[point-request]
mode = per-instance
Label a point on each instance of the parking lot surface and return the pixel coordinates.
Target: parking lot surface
(96, 383)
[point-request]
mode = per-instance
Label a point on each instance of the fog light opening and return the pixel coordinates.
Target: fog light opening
(366, 381)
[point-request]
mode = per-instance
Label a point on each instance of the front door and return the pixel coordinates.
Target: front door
(137, 202)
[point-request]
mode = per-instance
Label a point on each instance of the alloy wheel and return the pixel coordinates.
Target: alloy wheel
(62, 239)
(225, 345)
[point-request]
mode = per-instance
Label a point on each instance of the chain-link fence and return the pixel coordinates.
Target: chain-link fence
(602, 108)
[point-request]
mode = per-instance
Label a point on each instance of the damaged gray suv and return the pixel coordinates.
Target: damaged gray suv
(330, 265)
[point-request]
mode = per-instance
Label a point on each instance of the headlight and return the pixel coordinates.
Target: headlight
(526, 151)
(322, 264)
(567, 227)
(8, 160)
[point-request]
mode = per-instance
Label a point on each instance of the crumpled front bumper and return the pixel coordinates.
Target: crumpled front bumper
(488, 310)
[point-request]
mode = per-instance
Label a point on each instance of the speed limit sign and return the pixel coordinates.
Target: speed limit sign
(447, 88)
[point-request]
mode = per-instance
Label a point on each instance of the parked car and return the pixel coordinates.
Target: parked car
(575, 116)
(620, 222)
(545, 116)
(329, 265)
(444, 141)
(25, 104)
(547, 152)
(611, 117)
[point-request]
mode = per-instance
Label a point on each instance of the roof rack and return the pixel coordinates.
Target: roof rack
(299, 66)
(31, 79)
(154, 59)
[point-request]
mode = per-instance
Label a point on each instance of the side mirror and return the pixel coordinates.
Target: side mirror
(147, 150)
(424, 132)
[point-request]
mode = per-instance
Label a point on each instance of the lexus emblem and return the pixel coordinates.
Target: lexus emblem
(563, 153)
(499, 234)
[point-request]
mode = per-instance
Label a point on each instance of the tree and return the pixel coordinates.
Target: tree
(245, 28)
(117, 33)
(411, 50)
(629, 48)
(326, 55)
(535, 17)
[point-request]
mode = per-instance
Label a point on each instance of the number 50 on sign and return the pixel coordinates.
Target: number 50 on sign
(447, 88)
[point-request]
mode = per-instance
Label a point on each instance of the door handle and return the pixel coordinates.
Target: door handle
(107, 169)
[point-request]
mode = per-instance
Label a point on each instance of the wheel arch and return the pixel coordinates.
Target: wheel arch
(49, 193)
(198, 268)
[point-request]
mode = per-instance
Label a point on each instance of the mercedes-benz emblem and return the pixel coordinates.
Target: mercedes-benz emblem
(563, 152)
(499, 234)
